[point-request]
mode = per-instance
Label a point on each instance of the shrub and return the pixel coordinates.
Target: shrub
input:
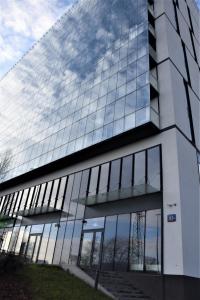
(10, 262)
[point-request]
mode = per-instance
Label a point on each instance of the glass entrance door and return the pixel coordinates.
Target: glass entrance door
(90, 254)
(33, 247)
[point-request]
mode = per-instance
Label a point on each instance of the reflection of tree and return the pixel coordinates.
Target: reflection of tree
(137, 239)
(5, 160)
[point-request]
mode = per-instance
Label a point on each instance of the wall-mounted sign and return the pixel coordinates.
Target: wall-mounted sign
(171, 218)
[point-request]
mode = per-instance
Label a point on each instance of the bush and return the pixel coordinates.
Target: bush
(10, 263)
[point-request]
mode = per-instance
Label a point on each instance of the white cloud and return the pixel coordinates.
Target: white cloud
(22, 22)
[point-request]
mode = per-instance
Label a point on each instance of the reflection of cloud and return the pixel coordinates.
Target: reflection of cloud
(23, 22)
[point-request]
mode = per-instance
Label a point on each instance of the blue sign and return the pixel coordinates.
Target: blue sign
(171, 218)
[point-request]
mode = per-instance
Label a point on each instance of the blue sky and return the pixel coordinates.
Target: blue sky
(22, 22)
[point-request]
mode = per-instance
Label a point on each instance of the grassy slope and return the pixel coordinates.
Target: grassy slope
(52, 283)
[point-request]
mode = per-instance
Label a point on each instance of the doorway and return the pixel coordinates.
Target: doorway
(33, 247)
(91, 249)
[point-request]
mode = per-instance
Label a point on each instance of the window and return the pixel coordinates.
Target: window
(74, 197)
(139, 168)
(122, 242)
(44, 243)
(68, 193)
(61, 192)
(41, 195)
(67, 242)
(51, 243)
(54, 193)
(93, 181)
(75, 242)
(127, 171)
(115, 175)
(47, 193)
(59, 243)
(109, 243)
(103, 180)
(153, 168)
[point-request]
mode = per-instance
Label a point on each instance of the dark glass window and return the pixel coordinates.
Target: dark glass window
(54, 193)
(84, 184)
(103, 181)
(67, 242)
(122, 242)
(47, 193)
(127, 171)
(75, 242)
(68, 193)
(40, 197)
(23, 200)
(153, 168)
(153, 241)
(137, 241)
(139, 168)
(61, 192)
(44, 243)
(74, 197)
(115, 175)
(59, 243)
(30, 195)
(51, 243)
(93, 181)
(109, 242)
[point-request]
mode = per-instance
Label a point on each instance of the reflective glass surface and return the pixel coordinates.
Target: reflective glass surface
(85, 81)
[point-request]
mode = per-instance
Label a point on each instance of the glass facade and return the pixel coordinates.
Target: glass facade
(123, 241)
(87, 80)
(125, 177)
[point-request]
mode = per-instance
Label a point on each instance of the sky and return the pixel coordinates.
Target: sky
(22, 22)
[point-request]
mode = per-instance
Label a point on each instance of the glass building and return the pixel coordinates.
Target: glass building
(100, 145)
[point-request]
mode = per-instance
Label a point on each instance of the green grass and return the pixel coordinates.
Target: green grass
(52, 283)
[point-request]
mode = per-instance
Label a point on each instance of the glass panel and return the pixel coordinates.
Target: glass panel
(97, 249)
(51, 243)
(54, 192)
(44, 243)
(95, 223)
(136, 257)
(61, 192)
(68, 193)
(139, 168)
(6, 240)
(67, 242)
(75, 242)
(86, 249)
(74, 197)
(84, 184)
(37, 228)
(115, 175)
(29, 198)
(93, 181)
(13, 240)
(23, 200)
(103, 181)
(47, 193)
(19, 240)
(109, 243)
(153, 241)
(122, 242)
(59, 243)
(41, 195)
(127, 171)
(31, 245)
(25, 240)
(153, 167)
(36, 249)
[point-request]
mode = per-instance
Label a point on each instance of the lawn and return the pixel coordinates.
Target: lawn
(52, 283)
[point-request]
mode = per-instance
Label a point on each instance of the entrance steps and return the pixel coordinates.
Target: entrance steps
(120, 285)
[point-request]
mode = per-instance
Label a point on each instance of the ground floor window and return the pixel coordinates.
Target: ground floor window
(124, 242)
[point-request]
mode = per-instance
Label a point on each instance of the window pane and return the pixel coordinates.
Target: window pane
(139, 168)
(29, 198)
(109, 243)
(19, 240)
(153, 241)
(153, 168)
(51, 243)
(61, 192)
(93, 181)
(68, 193)
(44, 243)
(41, 195)
(59, 243)
(137, 241)
(122, 242)
(127, 171)
(115, 175)
(47, 193)
(74, 197)
(75, 242)
(103, 181)
(54, 192)
(67, 242)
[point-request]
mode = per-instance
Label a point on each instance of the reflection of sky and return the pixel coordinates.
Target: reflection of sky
(70, 90)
